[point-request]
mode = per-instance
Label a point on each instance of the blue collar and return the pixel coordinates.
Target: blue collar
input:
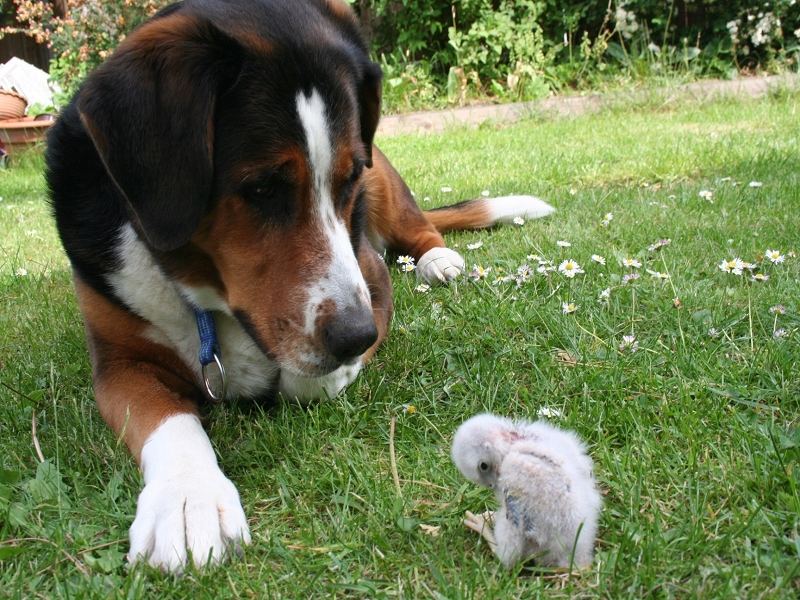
(210, 353)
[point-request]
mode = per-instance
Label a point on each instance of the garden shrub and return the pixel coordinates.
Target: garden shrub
(436, 52)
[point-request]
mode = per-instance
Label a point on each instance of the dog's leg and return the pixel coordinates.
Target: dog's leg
(396, 221)
(188, 509)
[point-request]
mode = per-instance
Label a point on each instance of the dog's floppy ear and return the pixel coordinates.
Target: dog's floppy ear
(369, 97)
(150, 113)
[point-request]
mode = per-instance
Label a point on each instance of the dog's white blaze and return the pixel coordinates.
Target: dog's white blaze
(343, 283)
(145, 289)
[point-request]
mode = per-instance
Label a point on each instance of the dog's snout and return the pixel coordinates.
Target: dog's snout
(350, 333)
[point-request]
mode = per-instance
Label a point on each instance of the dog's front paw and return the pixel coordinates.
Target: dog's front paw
(188, 509)
(440, 265)
(195, 516)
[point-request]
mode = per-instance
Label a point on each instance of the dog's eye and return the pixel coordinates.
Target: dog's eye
(347, 188)
(272, 195)
(483, 467)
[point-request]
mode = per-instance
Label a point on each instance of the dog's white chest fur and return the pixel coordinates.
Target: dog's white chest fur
(145, 289)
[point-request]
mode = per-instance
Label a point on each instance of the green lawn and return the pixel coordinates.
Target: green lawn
(695, 435)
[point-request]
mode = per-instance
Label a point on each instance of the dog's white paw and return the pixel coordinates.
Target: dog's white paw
(188, 509)
(440, 265)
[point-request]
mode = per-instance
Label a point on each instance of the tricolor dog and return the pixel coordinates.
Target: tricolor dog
(217, 191)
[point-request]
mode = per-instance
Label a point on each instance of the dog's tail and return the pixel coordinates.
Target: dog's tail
(485, 212)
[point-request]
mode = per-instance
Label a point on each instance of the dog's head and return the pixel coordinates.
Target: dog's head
(237, 132)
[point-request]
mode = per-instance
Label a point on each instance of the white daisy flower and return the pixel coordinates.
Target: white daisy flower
(446, 189)
(628, 277)
(572, 191)
(775, 256)
(755, 184)
(778, 309)
(629, 342)
(486, 193)
(706, 194)
(21, 272)
(659, 244)
(479, 272)
(568, 308)
(732, 265)
(545, 269)
(780, 333)
(404, 259)
(563, 244)
(598, 259)
(605, 294)
(658, 274)
(503, 279)
(525, 272)
(519, 221)
(608, 217)
(545, 412)
(569, 268)
(475, 245)
(748, 265)
(422, 288)
(631, 263)
(408, 267)
(760, 277)
(534, 257)
(713, 332)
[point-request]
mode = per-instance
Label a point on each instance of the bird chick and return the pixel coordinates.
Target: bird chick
(542, 477)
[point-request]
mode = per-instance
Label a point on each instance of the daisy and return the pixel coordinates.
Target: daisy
(631, 263)
(774, 256)
(755, 184)
(778, 309)
(503, 279)
(599, 259)
(485, 193)
(519, 221)
(760, 277)
(569, 268)
(605, 294)
(628, 277)
(446, 189)
(524, 272)
(568, 308)
(629, 342)
(409, 409)
(545, 269)
(658, 274)
(733, 265)
(534, 257)
(780, 333)
(659, 244)
(546, 412)
(563, 244)
(406, 263)
(748, 265)
(474, 245)
(608, 217)
(478, 272)
(713, 332)
(706, 194)
(422, 288)
(676, 302)
(21, 272)
(572, 191)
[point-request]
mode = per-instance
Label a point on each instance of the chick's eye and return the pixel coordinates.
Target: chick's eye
(483, 467)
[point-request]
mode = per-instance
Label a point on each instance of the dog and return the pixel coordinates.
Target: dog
(217, 191)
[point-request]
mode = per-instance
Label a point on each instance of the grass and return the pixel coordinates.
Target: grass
(695, 438)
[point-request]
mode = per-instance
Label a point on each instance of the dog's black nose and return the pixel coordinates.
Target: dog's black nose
(350, 333)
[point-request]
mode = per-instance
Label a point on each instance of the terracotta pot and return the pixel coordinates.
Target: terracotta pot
(12, 105)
